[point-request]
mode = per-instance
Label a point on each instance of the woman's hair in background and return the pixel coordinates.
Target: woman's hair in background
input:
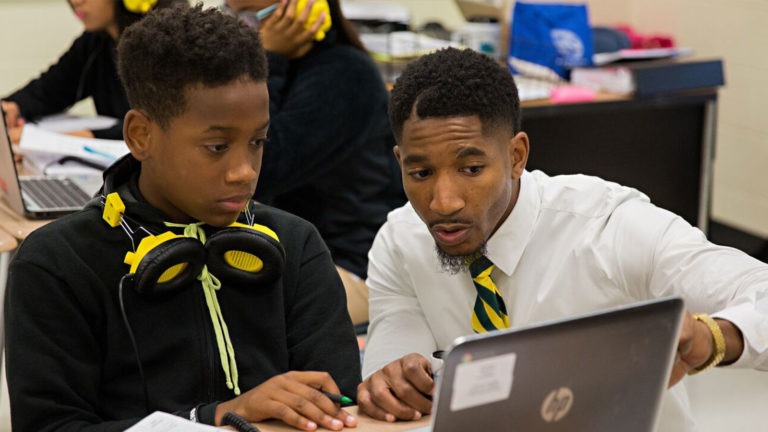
(347, 32)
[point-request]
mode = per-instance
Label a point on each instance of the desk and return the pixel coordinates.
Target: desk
(365, 424)
(661, 145)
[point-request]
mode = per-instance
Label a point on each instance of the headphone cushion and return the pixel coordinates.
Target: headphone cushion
(162, 258)
(248, 242)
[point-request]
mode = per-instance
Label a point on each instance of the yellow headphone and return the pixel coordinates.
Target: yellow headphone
(139, 6)
(240, 254)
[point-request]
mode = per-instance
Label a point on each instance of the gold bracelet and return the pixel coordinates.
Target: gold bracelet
(719, 342)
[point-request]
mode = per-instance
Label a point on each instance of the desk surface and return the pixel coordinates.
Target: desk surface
(17, 226)
(364, 424)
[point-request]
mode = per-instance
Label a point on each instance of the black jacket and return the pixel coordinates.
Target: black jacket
(87, 69)
(329, 157)
(70, 363)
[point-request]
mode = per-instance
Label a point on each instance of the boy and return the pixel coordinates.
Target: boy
(202, 334)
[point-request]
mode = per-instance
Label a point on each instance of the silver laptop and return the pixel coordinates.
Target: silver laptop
(602, 372)
(36, 197)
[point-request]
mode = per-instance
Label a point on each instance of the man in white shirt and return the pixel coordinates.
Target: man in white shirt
(560, 246)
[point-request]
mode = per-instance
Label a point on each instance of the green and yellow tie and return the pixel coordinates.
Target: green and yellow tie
(489, 312)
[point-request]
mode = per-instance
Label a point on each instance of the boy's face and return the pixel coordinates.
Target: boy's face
(205, 164)
(462, 183)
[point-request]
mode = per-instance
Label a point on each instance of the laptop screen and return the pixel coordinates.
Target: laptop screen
(9, 179)
(601, 372)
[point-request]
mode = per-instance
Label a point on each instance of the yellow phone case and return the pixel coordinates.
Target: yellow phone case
(318, 7)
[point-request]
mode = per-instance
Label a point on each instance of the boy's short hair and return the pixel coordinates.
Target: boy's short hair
(125, 18)
(452, 82)
(171, 50)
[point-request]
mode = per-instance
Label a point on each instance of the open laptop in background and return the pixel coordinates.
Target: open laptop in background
(35, 197)
(601, 372)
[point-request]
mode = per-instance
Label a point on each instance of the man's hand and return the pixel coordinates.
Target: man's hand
(296, 398)
(696, 345)
(401, 390)
(283, 32)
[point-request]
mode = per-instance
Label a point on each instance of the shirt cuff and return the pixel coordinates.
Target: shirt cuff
(206, 414)
(753, 325)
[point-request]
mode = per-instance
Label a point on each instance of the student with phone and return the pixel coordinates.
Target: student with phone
(329, 158)
(87, 69)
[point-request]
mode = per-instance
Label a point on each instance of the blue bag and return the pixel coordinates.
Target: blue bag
(556, 36)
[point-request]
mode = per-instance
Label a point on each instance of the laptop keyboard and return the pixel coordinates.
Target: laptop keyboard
(54, 193)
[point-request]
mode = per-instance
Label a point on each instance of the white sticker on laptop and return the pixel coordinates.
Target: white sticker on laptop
(483, 381)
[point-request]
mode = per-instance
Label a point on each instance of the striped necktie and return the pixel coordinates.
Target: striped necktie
(489, 312)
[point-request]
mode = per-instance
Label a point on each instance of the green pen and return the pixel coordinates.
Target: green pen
(339, 399)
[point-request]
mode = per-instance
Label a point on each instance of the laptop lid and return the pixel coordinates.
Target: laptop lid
(601, 372)
(11, 187)
(9, 178)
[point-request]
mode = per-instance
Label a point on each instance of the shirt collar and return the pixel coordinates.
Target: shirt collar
(506, 245)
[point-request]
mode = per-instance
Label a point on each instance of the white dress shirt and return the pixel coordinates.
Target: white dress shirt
(572, 245)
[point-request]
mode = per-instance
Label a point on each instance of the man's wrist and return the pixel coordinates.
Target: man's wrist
(718, 344)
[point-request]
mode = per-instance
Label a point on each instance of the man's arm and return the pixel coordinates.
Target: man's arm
(398, 375)
(662, 255)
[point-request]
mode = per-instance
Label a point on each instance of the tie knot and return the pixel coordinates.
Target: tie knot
(479, 265)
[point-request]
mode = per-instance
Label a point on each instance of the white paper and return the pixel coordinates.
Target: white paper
(101, 150)
(63, 123)
(481, 382)
(163, 422)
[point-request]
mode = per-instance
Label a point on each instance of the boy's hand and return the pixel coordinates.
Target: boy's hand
(283, 32)
(400, 390)
(296, 398)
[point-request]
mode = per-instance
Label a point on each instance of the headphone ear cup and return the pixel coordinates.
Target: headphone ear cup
(169, 266)
(245, 256)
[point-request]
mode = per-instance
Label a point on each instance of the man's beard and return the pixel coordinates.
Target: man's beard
(454, 264)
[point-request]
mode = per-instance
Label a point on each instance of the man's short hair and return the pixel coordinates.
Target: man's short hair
(452, 83)
(174, 49)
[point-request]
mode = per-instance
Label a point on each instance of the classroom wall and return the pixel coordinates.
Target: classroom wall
(730, 29)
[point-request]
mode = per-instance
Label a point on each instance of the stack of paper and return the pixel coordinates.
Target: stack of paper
(163, 422)
(42, 149)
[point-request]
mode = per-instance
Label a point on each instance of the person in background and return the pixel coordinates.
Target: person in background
(485, 244)
(87, 69)
(329, 158)
(173, 290)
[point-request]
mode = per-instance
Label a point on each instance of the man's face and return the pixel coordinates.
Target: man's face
(461, 183)
(205, 164)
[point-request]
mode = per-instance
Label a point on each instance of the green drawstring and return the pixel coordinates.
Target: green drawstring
(210, 285)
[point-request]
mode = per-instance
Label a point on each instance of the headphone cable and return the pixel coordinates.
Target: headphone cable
(133, 344)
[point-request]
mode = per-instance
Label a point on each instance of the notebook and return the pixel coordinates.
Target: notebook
(35, 197)
(602, 372)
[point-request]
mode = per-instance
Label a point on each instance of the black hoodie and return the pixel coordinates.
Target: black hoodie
(71, 365)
